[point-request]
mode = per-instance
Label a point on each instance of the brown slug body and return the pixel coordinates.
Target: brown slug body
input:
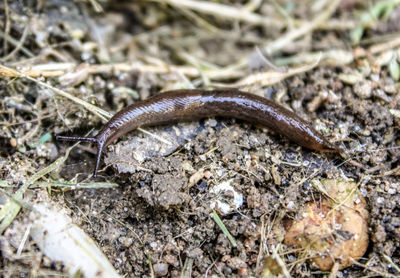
(183, 105)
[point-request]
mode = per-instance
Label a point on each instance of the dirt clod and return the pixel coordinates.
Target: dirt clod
(332, 230)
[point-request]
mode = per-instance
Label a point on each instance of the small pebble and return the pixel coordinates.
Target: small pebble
(13, 142)
(363, 89)
(160, 270)
(243, 271)
(212, 122)
(172, 260)
(153, 245)
(126, 241)
(390, 89)
(379, 93)
(380, 234)
(207, 174)
(375, 77)
(227, 271)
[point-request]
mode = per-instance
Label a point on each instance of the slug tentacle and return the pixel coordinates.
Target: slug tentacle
(99, 145)
(75, 138)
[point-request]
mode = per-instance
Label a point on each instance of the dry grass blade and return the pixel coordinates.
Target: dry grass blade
(40, 70)
(280, 262)
(378, 48)
(272, 77)
(302, 30)
(80, 185)
(223, 11)
(59, 69)
(187, 268)
(334, 57)
(389, 259)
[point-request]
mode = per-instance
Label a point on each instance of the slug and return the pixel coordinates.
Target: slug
(184, 105)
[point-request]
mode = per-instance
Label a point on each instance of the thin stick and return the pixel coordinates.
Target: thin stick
(6, 27)
(14, 42)
(18, 46)
(223, 11)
